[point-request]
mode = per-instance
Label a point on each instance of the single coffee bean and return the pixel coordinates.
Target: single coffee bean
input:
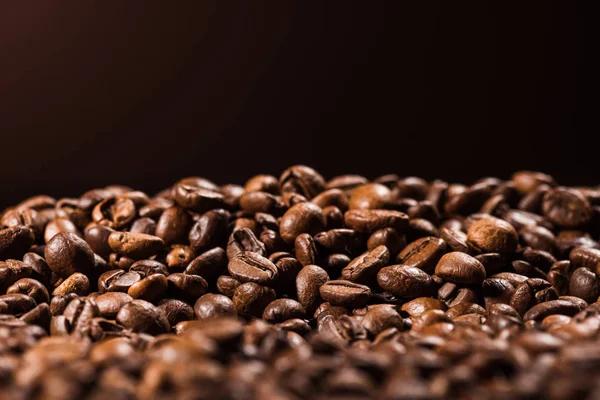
(252, 267)
(227, 285)
(244, 240)
(252, 299)
(262, 183)
(460, 268)
(463, 295)
(144, 225)
(405, 281)
(585, 285)
(332, 197)
(305, 249)
(209, 264)
(32, 288)
(423, 253)
(15, 241)
(213, 305)
(12, 271)
(186, 286)
(77, 283)
(334, 217)
(566, 208)
(364, 268)
(118, 281)
(149, 267)
(176, 311)
(585, 257)
(281, 310)
(59, 303)
(60, 225)
(340, 241)
(67, 253)
(174, 225)
(492, 235)
(96, 236)
(345, 293)
(308, 282)
(117, 261)
(142, 316)
(197, 199)
(370, 196)
(301, 218)
(371, 220)
(152, 288)
(542, 310)
(389, 238)
(135, 245)
(17, 303)
(261, 202)
(179, 257)
(303, 180)
(418, 306)
(209, 231)
(114, 212)
(528, 181)
(110, 303)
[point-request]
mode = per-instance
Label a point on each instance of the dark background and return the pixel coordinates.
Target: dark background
(142, 94)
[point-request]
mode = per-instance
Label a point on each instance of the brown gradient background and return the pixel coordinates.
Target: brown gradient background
(142, 93)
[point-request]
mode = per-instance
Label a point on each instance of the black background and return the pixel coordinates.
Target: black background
(143, 94)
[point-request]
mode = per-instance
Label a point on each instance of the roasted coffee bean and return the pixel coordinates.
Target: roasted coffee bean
(528, 181)
(281, 310)
(305, 249)
(60, 225)
(252, 299)
(97, 237)
(152, 288)
(418, 306)
(492, 235)
(371, 220)
(252, 267)
(463, 295)
(272, 241)
(585, 257)
(566, 208)
(346, 182)
(208, 264)
(144, 225)
(227, 285)
(16, 303)
(389, 238)
(176, 311)
(262, 183)
(332, 197)
(531, 292)
(186, 286)
(117, 280)
(301, 218)
(340, 241)
(209, 231)
(114, 212)
(405, 281)
(303, 180)
(77, 283)
(364, 268)
(32, 288)
(213, 306)
(261, 202)
(542, 310)
(149, 267)
(370, 196)
(142, 316)
(110, 303)
(460, 268)
(197, 199)
(308, 282)
(15, 241)
(423, 253)
(179, 257)
(584, 284)
(244, 240)
(345, 293)
(334, 217)
(135, 245)
(119, 261)
(67, 253)
(11, 271)
(173, 225)
(59, 303)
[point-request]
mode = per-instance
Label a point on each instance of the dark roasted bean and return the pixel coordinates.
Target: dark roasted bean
(423, 253)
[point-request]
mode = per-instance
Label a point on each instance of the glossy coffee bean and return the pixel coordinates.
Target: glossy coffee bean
(15, 241)
(345, 293)
(423, 253)
(308, 282)
(301, 218)
(405, 281)
(566, 208)
(213, 306)
(252, 299)
(67, 253)
(281, 310)
(135, 245)
(492, 235)
(371, 220)
(364, 268)
(173, 225)
(460, 268)
(370, 196)
(252, 267)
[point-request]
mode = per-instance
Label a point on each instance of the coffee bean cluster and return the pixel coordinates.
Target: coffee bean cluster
(294, 287)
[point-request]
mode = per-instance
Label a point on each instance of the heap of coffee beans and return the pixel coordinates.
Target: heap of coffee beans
(295, 287)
